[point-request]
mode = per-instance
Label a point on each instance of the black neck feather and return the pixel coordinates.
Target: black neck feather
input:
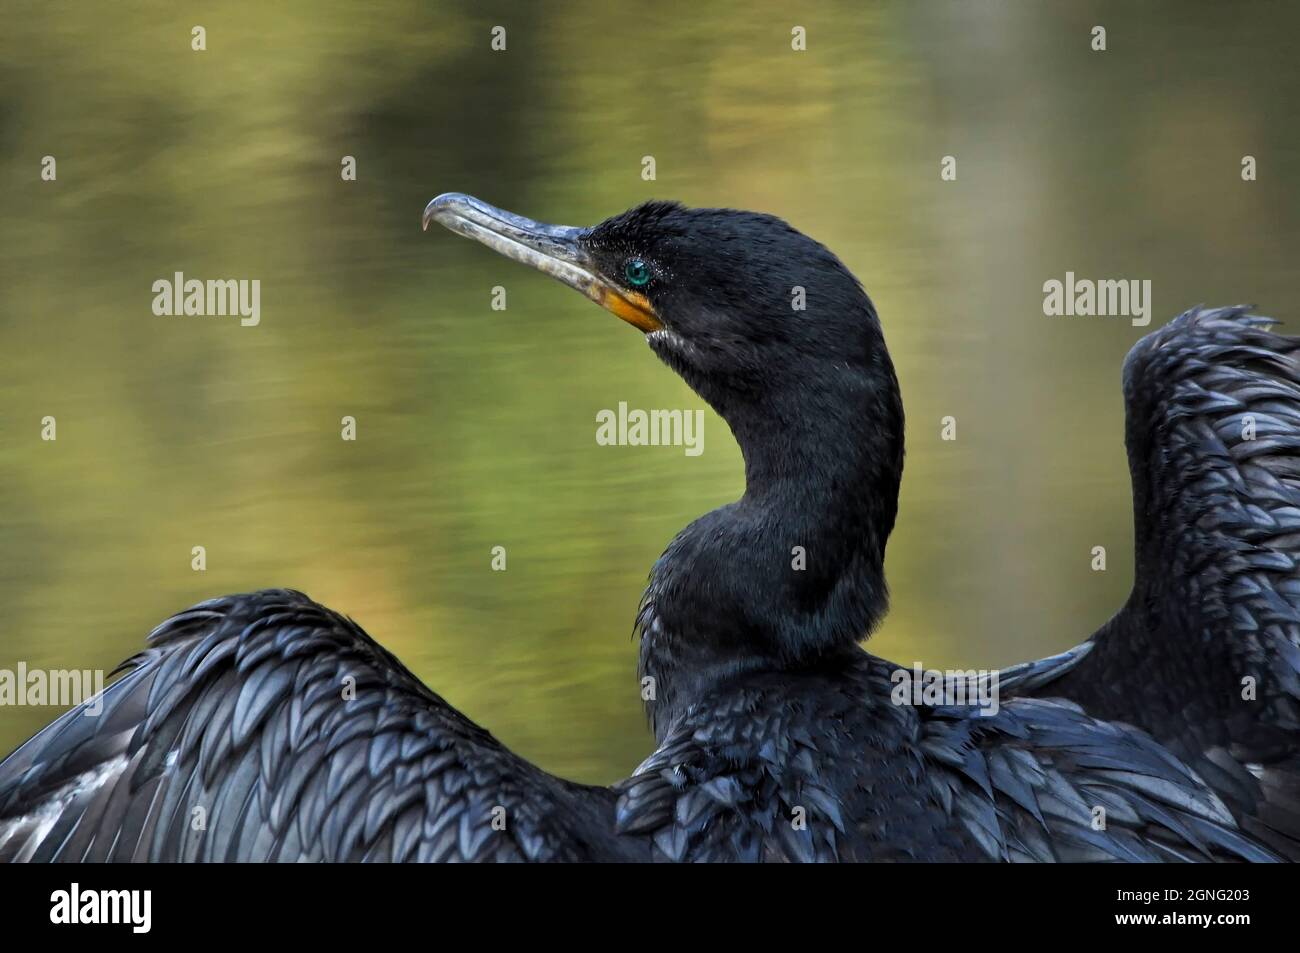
(793, 572)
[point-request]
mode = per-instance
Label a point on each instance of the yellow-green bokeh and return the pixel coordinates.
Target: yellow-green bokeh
(476, 427)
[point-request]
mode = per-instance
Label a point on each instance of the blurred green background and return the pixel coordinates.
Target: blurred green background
(476, 427)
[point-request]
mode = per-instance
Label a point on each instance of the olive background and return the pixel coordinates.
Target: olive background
(476, 428)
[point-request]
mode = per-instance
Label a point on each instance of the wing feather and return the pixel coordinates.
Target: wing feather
(232, 738)
(1205, 655)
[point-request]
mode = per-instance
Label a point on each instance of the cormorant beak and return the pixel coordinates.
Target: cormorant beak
(556, 250)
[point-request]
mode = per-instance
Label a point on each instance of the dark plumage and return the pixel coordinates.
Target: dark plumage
(1204, 655)
(295, 736)
(238, 707)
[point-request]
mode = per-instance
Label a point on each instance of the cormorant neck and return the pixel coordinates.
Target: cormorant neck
(792, 572)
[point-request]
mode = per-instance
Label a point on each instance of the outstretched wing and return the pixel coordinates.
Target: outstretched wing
(266, 727)
(781, 775)
(1043, 781)
(1205, 655)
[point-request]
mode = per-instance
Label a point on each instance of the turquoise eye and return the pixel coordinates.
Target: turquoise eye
(637, 272)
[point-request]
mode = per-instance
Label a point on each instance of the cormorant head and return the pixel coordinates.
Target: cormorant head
(778, 336)
(749, 311)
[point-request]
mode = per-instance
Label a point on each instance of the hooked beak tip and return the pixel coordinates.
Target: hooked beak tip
(442, 208)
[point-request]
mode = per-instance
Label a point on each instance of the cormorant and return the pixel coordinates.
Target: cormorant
(1170, 734)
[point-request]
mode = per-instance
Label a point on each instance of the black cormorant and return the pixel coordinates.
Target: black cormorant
(1171, 734)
